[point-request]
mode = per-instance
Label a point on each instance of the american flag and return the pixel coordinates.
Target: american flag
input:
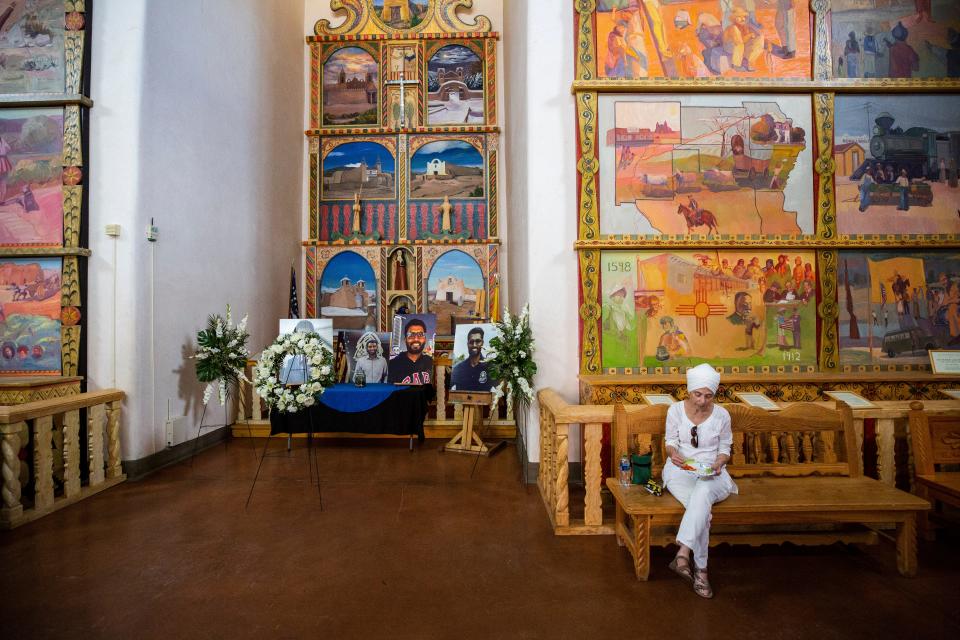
(293, 311)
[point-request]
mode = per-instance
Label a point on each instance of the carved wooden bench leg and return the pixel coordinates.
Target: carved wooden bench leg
(641, 546)
(619, 526)
(907, 546)
(923, 518)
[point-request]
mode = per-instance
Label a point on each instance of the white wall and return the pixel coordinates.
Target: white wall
(542, 191)
(196, 124)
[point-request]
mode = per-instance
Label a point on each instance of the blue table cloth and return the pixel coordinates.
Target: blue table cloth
(349, 398)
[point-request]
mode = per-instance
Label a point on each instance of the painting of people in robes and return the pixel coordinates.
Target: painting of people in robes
(897, 159)
(32, 54)
(716, 165)
(895, 38)
(639, 39)
(729, 308)
(897, 305)
(30, 315)
(31, 182)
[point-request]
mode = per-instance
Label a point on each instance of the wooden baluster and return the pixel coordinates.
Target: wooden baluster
(56, 448)
(774, 448)
(792, 456)
(71, 453)
(11, 509)
(442, 396)
(43, 462)
(113, 440)
(243, 389)
(593, 474)
(807, 445)
(562, 473)
(737, 449)
(95, 418)
(885, 450)
(757, 448)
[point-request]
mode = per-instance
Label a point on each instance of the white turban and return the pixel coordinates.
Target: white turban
(703, 376)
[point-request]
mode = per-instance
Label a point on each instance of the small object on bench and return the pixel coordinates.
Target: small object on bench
(468, 441)
(796, 470)
(936, 441)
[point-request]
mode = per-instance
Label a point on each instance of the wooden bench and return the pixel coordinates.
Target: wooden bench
(798, 477)
(936, 441)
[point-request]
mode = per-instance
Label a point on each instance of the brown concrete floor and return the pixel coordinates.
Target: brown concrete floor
(410, 546)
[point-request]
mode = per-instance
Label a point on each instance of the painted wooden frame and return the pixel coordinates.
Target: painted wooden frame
(824, 87)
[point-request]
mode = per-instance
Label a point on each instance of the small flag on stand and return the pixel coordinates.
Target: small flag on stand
(293, 311)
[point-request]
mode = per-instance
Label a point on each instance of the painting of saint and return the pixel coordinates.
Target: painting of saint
(30, 315)
(897, 159)
(31, 184)
(453, 168)
(895, 38)
(348, 292)
(897, 305)
(705, 164)
(703, 39)
(32, 47)
(729, 308)
(455, 288)
(455, 86)
(363, 169)
(350, 85)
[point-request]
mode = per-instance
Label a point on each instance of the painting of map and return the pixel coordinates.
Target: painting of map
(895, 38)
(30, 315)
(451, 168)
(706, 164)
(703, 38)
(888, 148)
(896, 305)
(729, 308)
(32, 57)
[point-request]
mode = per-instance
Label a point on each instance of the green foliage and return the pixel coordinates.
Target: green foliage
(292, 398)
(511, 362)
(32, 172)
(222, 350)
(477, 193)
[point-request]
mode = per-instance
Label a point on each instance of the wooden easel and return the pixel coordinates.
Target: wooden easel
(467, 441)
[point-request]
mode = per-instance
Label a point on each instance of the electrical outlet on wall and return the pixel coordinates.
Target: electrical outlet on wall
(176, 429)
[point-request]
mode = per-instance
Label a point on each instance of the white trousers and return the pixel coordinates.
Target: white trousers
(697, 495)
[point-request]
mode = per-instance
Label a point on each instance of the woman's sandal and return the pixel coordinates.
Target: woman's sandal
(701, 586)
(681, 566)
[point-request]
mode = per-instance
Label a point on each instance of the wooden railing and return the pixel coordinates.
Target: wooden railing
(52, 427)
(556, 416)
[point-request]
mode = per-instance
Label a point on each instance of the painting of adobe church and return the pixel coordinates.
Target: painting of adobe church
(366, 169)
(401, 14)
(31, 184)
(897, 160)
(895, 38)
(455, 86)
(30, 315)
(350, 81)
(703, 38)
(728, 308)
(706, 164)
(896, 305)
(348, 292)
(32, 46)
(455, 288)
(452, 168)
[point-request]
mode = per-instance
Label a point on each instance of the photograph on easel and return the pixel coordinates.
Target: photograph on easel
(367, 352)
(471, 352)
(411, 349)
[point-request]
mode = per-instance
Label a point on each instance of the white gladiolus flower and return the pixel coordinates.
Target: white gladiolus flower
(325, 370)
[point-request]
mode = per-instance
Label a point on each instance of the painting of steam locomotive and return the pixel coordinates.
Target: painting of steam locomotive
(897, 161)
(717, 165)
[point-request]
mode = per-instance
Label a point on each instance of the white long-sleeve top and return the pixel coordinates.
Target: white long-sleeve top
(714, 435)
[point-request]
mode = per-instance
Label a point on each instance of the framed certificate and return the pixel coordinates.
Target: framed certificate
(758, 400)
(658, 398)
(944, 362)
(855, 401)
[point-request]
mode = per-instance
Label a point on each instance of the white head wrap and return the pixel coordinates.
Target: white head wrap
(703, 376)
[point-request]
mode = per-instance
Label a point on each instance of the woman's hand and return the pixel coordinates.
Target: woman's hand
(675, 456)
(720, 463)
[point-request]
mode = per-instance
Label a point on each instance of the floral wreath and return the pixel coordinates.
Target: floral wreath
(319, 369)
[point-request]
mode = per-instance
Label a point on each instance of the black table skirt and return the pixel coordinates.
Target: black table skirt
(402, 413)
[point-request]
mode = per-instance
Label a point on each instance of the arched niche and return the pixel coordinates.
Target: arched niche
(455, 288)
(348, 292)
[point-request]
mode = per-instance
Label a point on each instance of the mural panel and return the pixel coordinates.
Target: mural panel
(706, 164)
(348, 292)
(30, 333)
(32, 47)
(455, 288)
(897, 159)
(401, 14)
(729, 308)
(452, 168)
(455, 86)
(365, 169)
(350, 87)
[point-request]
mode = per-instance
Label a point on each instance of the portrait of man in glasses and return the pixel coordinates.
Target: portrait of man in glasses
(412, 366)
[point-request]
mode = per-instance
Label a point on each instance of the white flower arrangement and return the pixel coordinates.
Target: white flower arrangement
(221, 355)
(511, 359)
(289, 398)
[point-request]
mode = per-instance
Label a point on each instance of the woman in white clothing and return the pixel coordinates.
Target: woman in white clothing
(698, 430)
